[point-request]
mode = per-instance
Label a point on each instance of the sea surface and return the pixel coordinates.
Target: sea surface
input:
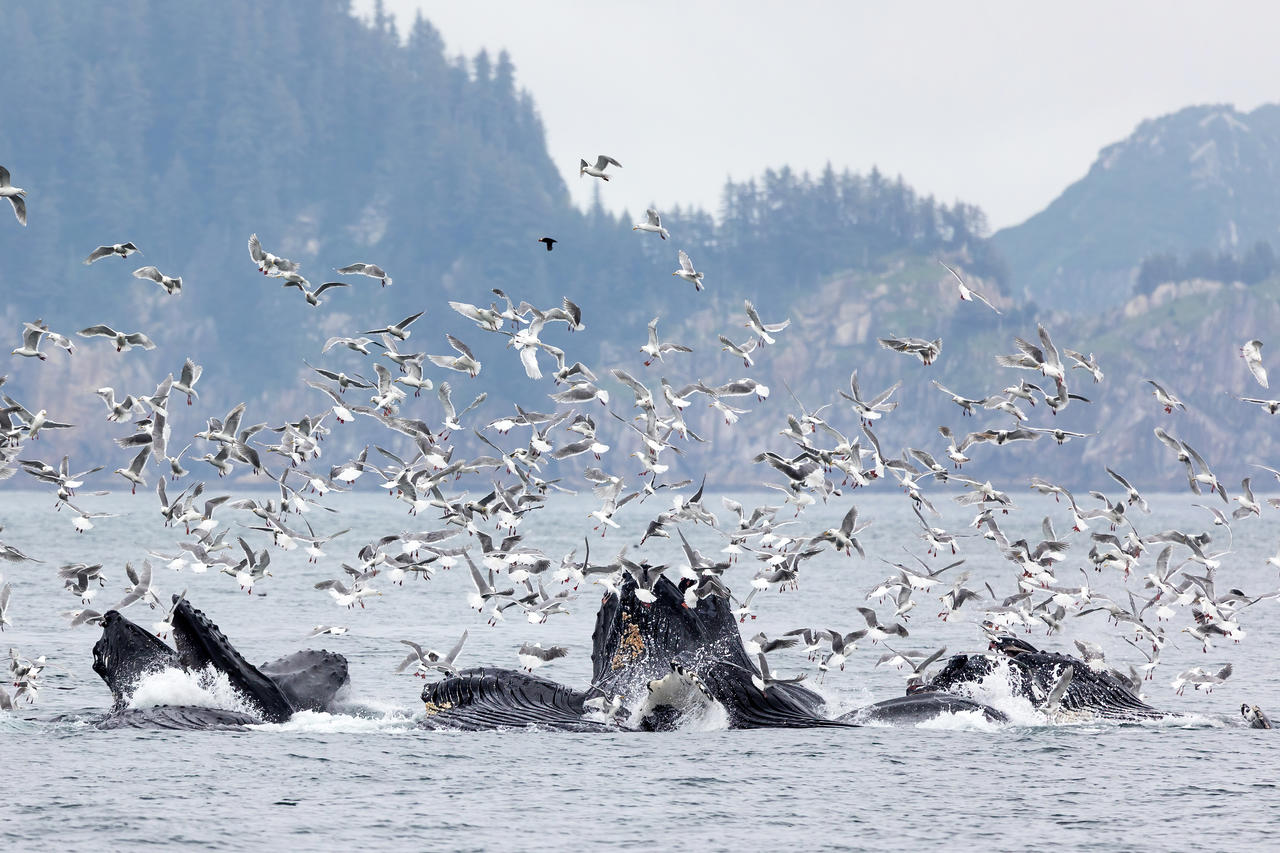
(372, 779)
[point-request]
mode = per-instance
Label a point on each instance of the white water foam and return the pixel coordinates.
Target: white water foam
(207, 688)
(324, 723)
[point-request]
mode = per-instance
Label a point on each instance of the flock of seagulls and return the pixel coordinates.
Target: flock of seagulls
(473, 506)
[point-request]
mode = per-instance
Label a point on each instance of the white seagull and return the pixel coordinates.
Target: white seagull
(170, 285)
(16, 196)
(597, 171)
(687, 271)
(1252, 355)
(371, 270)
(124, 250)
(652, 224)
(968, 294)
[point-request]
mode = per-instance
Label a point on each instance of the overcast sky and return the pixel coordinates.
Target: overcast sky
(1001, 104)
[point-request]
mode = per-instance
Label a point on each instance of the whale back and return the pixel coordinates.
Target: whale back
(311, 680)
(484, 699)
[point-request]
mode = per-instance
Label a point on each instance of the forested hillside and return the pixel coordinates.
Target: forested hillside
(186, 127)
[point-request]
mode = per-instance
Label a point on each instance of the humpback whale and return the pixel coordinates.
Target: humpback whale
(658, 663)
(1033, 673)
(655, 665)
(126, 653)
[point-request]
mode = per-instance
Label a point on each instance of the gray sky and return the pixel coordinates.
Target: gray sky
(1001, 104)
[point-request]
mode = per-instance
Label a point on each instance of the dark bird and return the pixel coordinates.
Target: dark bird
(550, 241)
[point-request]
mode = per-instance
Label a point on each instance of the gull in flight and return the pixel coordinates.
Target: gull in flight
(742, 351)
(464, 362)
(1252, 355)
(924, 350)
(187, 380)
(371, 270)
(312, 296)
(30, 348)
(124, 250)
(533, 655)
(549, 242)
(170, 285)
(16, 196)
(968, 294)
(655, 348)
(687, 271)
(652, 224)
(399, 331)
(122, 340)
(761, 329)
(1164, 398)
(597, 171)
(269, 264)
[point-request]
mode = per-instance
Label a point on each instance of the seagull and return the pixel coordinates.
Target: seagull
(742, 351)
(399, 331)
(464, 362)
(875, 408)
(926, 351)
(533, 655)
(765, 678)
(1164, 398)
(489, 319)
(762, 330)
(687, 271)
(335, 630)
(1199, 677)
(1252, 355)
(371, 270)
(187, 381)
(966, 404)
(845, 537)
(597, 171)
(30, 348)
(122, 340)
(655, 348)
(124, 250)
(1085, 362)
(269, 264)
(170, 285)
(360, 345)
(1271, 407)
(968, 294)
(652, 224)
(312, 296)
(16, 196)
(134, 472)
(549, 242)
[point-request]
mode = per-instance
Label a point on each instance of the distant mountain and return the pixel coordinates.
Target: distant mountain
(1205, 177)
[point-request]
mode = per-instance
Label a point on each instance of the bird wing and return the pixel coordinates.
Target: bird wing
(255, 249)
(460, 346)
(98, 254)
(685, 263)
(138, 339)
(98, 330)
(148, 272)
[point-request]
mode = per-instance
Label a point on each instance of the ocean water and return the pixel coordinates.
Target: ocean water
(373, 779)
